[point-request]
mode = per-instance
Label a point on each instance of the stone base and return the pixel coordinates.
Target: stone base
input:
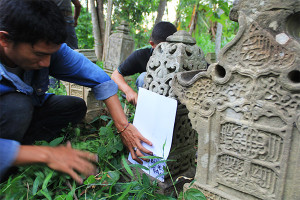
(167, 187)
(210, 192)
(94, 106)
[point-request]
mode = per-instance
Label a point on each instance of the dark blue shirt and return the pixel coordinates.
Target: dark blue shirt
(136, 62)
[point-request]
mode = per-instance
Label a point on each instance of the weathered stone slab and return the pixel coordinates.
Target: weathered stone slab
(246, 107)
(94, 106)
(121, 45)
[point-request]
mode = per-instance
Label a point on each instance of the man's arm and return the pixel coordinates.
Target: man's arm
(131, 95)
(61, 158)
(130, 136)
(77, 10)
(72, 66)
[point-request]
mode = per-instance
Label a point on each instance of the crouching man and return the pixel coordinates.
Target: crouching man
(32, 35)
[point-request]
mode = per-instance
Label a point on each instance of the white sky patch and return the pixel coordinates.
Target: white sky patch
(169, 15)
(171, 9)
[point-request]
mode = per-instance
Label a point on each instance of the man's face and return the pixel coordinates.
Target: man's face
(30, 57)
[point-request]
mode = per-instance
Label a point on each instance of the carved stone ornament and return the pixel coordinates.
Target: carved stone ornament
(246, 108)
(180, 53)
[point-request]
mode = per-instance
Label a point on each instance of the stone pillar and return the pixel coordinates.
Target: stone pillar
(246, 107)
(179, 53)
(121, 45)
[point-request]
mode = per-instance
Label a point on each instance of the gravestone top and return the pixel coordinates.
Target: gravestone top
(181, 37)
(123, 28)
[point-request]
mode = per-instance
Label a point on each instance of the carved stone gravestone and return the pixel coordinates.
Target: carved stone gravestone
(120, 47)
(179, 53)
(246, 107)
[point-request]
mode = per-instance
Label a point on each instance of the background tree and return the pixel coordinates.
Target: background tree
(219, 35)
(84, 30)
(96, 7)
(107, 27)
(160, 10)
(199, 17)
(137, 15)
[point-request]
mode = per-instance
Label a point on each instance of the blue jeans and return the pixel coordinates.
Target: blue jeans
(25, 123)
(140, 80)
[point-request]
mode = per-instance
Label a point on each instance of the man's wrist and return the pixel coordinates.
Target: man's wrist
(26, 152)
(125, 127)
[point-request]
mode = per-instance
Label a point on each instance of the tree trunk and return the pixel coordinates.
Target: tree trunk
(107, 28)
(101, 18)
(160, 11)
(218, 36)
(176, 23)
(96, 30)
(193, 21)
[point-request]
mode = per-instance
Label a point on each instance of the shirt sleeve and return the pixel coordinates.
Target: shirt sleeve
(8, 152)
(69, 65)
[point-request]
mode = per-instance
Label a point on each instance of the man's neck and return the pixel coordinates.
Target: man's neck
(5, 60)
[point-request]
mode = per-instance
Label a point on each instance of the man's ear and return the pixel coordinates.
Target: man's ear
(3, 38)
(152, 44)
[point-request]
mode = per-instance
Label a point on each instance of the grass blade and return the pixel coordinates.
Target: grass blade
(125, 192)
(47, 179)
(126, 166)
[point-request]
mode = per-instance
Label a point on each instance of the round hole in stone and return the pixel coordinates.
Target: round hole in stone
(294, 76)
(293, 25)
(220, 71)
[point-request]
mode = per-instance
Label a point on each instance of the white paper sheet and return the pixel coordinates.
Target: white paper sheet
(154, 118)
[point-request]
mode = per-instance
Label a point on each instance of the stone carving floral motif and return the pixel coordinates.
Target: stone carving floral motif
(246, 110)
(180, 53)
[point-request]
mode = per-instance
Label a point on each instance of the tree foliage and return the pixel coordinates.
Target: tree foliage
(135, 14)
(207, 19)
(84, 31)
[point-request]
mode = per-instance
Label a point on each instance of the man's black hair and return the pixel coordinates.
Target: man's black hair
(31, 21)
(161, 31)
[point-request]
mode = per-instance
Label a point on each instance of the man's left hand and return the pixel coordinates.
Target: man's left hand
(132, 138)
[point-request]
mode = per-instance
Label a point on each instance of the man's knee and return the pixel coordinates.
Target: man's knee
(16, 112)
(79, 107)
(73, 108)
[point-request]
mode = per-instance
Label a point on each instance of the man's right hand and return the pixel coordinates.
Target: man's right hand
(69, 160)
(62, 158)
(131, 96)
